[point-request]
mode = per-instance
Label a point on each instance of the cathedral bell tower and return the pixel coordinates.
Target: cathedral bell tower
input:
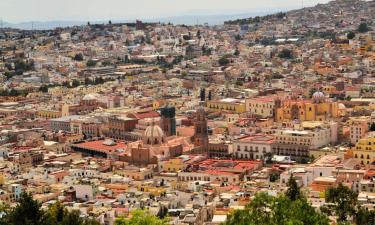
(200, 127)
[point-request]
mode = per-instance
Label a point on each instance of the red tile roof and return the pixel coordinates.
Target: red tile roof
(258, 138)
(100, 147)
(143, 115)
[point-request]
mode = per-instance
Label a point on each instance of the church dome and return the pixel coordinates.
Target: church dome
(318, 97)
(153, 135)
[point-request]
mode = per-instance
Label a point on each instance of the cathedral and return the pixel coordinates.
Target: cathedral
(201, 134)
(156, 145)
(319, 108)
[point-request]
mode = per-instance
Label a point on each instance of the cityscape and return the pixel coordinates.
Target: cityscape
(261, 120)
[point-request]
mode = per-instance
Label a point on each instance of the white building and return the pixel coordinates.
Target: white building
(253, 147)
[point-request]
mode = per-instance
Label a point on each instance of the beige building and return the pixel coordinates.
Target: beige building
(358, 128)
(263, 106)
(253, 147)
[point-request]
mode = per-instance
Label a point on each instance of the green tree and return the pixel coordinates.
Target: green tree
(57, 214)
(363, 28)
(274, 177)
(27, 212)
(350, 35)
(237, 37)
(293, 192)
(365, 217)
(223, 61)
(76, 83)
(43, 88)
(91, 63)
(106, 63)
(237, 52)
(141, 217)
(268, 210)
(345, 201)
(4, 210)
(78, 57)
(286, 54)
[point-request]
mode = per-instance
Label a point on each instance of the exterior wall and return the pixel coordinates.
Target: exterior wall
(261, 107)
(60, 125)
(46, 114)
(190, 176)
(142, 155)
(84, 192)
(365, 150)
(348, 176)
(173, 165)
(358, 130)
(228, 106)
(118, 127)
(306, 111)
(251, 149)
(221, 150)
(92, 129)
(364, 186)
(307, 178)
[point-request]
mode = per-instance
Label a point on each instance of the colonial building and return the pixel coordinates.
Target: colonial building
(365, 150)
(358, 128)
(253, 147)
(155, 146)
(227, 104)
(318, 108)
(119, 126)
(200, 127)
(263, 106)
(297, 143)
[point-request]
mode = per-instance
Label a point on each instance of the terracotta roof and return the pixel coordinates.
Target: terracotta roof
(143, 115)
(101, 147)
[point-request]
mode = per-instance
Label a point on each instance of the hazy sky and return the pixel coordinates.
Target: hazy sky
(47, 10)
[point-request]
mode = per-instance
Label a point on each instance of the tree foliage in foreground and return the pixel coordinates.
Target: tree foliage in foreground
(281, 210)
(29, 212)
(140, 217)
(289, 209)
(346, 206)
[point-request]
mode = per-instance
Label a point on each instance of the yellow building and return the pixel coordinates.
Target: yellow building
(156, 191)
(329, 89)
(316, 109)
(173, 165)
(227, 104)
(49, 114)
(365, 150)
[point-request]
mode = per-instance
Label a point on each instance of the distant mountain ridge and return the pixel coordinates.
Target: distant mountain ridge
(327, 12)
(187, 20)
